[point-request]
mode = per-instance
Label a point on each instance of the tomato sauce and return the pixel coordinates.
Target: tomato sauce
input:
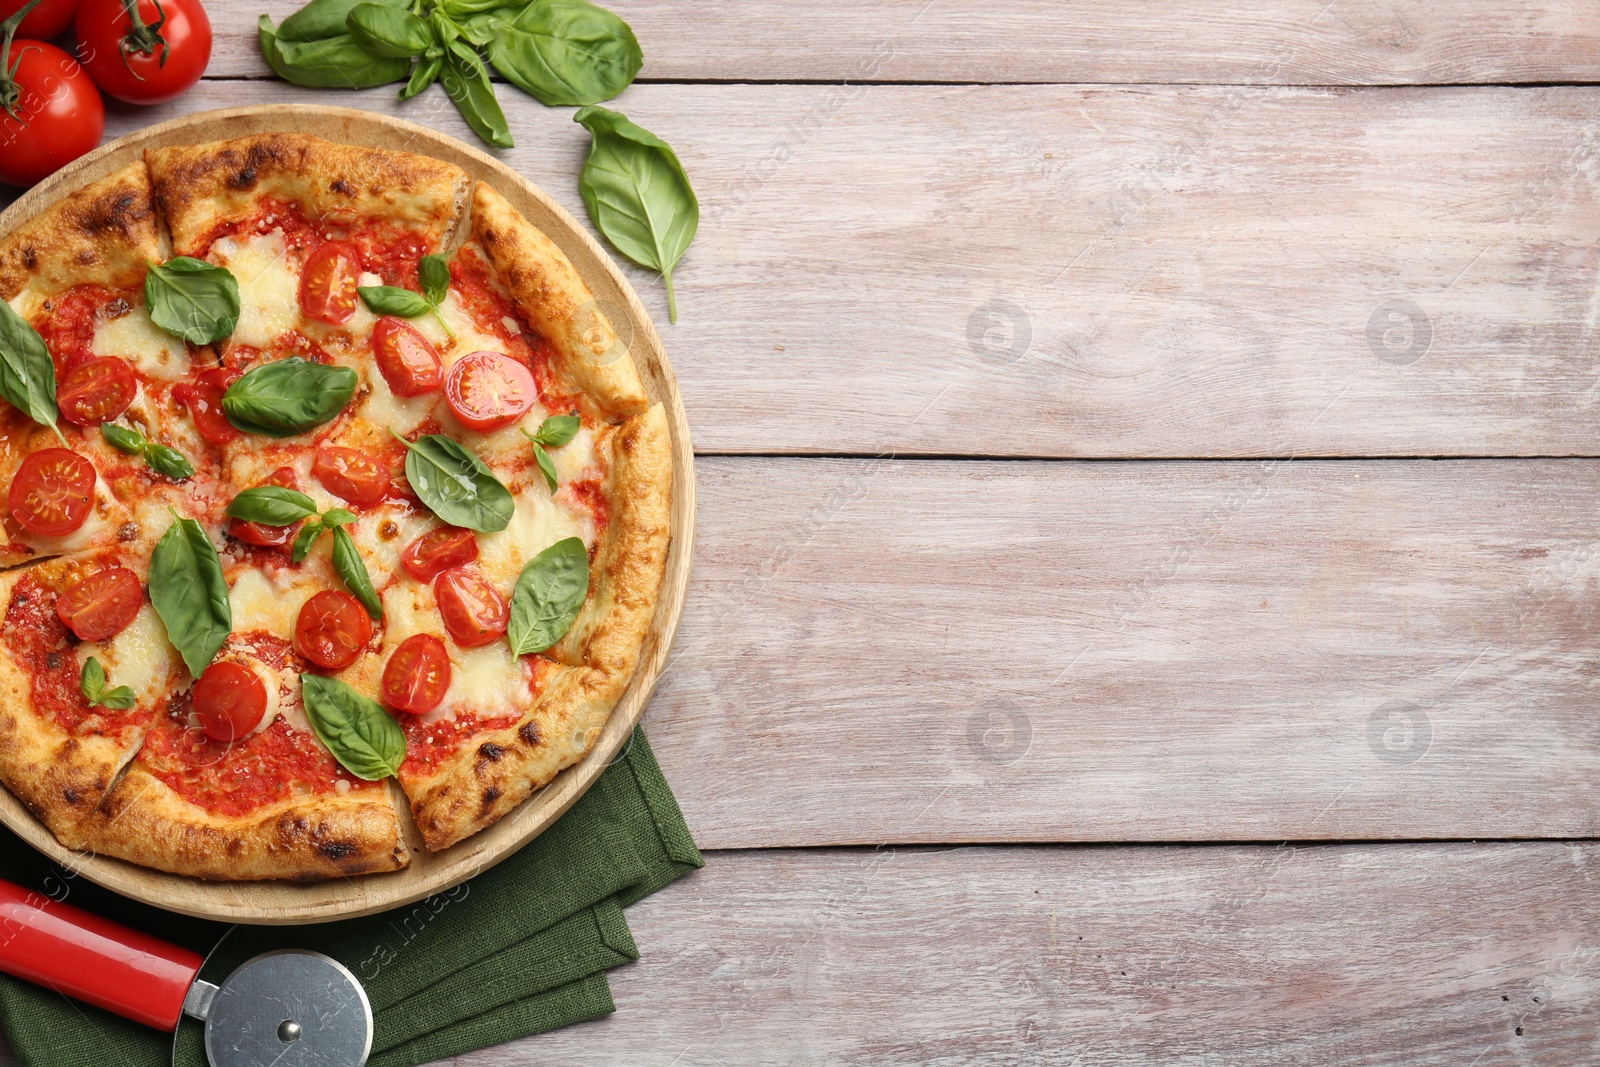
(430, 745)
(69, 332)
(589, 495)
(390, 252)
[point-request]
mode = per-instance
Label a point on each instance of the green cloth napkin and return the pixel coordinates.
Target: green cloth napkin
(521, 949)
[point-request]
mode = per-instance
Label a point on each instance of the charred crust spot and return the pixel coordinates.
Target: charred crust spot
(491, 751)
(52, 661)
(335, 850)
(529, 732)
(128, 531)
(342, 187)
(70, 795)
(30, 257)
(490, 795)
(389, 530)
(243, 178)
(235, 846)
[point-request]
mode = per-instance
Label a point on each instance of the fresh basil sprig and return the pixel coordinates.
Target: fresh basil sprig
(92, 684)
(353, 572)
(637, 194)
(27, 374)
(433, 275)
(274, 505)
(192, 299)
(331, 58)
(288, 396)
(161, 458)
(363, 737)
(455, 484)
(554, 432)
(189, 593)
(566, 52)
(331, 519)
(548, 595)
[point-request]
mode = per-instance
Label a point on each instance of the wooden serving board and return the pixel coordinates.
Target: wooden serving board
(290, 903)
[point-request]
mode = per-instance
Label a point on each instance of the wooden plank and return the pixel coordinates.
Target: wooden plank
(1295, 42)
(1427, 955)
(1198, 272)
(878, 651)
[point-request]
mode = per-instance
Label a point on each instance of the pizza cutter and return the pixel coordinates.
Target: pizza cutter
(291, 1008)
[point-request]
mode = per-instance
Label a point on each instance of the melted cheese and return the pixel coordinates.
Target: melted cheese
(259, 604)
(468, 338)
(575, 458)
(140, 657)
(380, 554)
(153, 351)
(537, 523)
(26, 303)
(383, 408)
(269, 286)
(484, 681)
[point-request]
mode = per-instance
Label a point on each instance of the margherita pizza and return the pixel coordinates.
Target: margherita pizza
(323, 475)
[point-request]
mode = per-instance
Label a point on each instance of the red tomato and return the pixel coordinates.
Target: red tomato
(97, 391)
(52, 492)
(409, 363)
(59, 113)
(332, 629)
(488, 390)
(474, 612)
(256, 533)
(399, 484)
(229, 700)
(351, 474)
(49, 19)
(204, 401)
(439, 550)
(100, 605)
(150, 63)
(328, 284)
(417, 674)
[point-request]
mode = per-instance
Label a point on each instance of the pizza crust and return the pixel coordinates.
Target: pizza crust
(201, 186)
(101, 235)
(591, 359)
(142, 820)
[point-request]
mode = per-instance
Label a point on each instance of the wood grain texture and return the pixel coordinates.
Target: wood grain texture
(1198, 272)
(887, 651)
(1424, 955)
(1297, 42)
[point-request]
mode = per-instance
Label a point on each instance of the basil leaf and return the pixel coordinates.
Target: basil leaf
(557, 430)
(393, 300)
(549, 593)
(481, 28)
(168, 461)
(473, 7)
(271, 505)
(637, 194)
(353, 572)
(434, 274)
(287, 397)
(304, 540)
(334, 518)
(192, 299)
(120, 698)
(321, 19)
(387, 31)
(423, 75)
(189, 593)
(337, 62)
(91, 680)
(122, 438)
(547, 466)
(27, 374)
(455, 485)
(363, 737)
(566, 52)
(466, 82)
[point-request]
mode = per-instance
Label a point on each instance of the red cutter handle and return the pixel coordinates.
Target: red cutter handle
(93, 959)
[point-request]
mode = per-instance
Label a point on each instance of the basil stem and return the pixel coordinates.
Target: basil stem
(455, 484)
(189, 593)
(548, 595)
(192, 299)
(27, 374)
(363, 737)
(566, 52)
(353, 572)
(637, 194)
(288, 396)
(92, 684)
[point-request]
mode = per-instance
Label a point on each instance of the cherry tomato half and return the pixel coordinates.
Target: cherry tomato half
(328, 283)
(474, 612)
(97, 391)
(49, 19)
(351, 474)
(100, 605)
(52, 492)
(229, 700)
(258, 533)
(332, 629)
(417, 674)
(438, 550)
(59, 114)
(488, 390)
(203, 398)
(409, 363)
(148, 64)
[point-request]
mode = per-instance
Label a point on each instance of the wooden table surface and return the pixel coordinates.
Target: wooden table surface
(1144, 607)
